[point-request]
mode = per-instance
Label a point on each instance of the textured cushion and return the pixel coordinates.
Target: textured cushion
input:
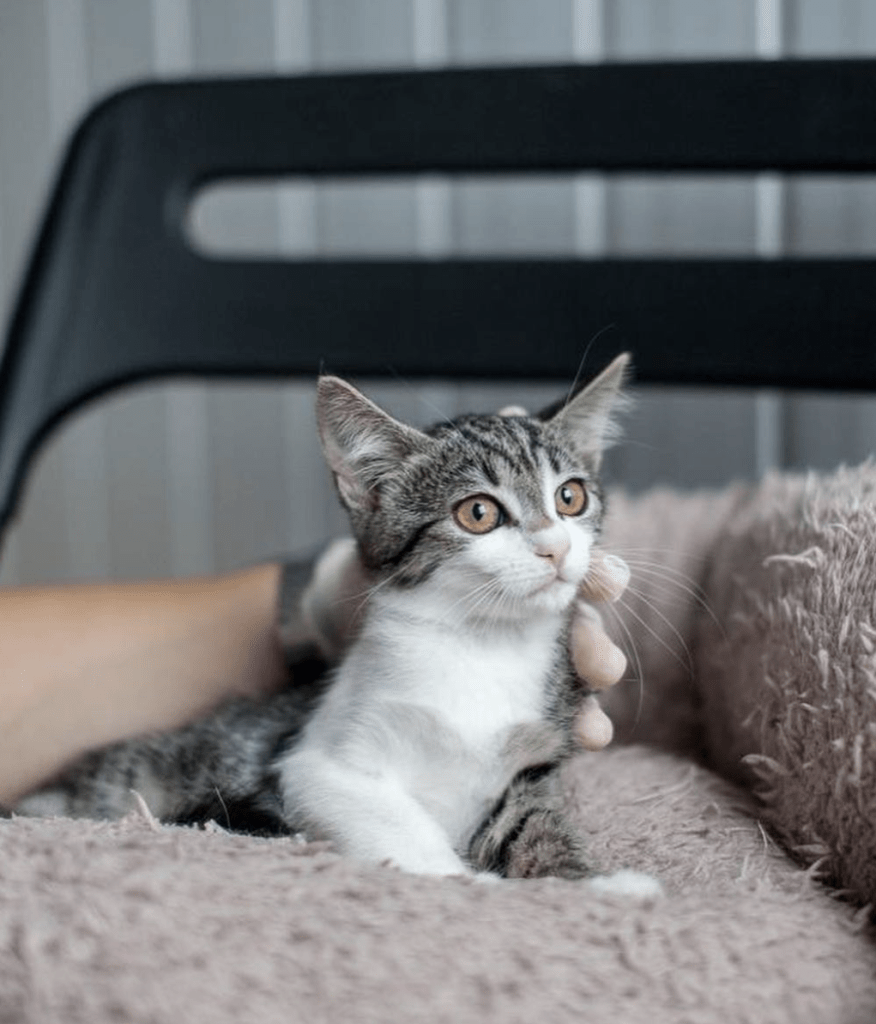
(141, 922)
(751, 610)
(755, 625)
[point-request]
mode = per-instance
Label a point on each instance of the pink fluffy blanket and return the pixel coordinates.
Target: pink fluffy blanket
(745, 780)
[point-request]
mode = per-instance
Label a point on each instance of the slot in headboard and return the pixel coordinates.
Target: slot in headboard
(114, 293)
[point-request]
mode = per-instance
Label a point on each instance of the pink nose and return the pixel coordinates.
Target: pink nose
(552, 543)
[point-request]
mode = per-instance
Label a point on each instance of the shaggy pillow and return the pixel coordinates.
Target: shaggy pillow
(791, 671)
(140, 922)
(751, 615)
(763, 663)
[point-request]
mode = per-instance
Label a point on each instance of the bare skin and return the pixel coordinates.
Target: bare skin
(85, 666)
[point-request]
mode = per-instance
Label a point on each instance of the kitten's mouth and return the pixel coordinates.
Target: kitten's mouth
(552, 583)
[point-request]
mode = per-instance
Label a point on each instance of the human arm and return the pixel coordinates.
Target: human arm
(88, 665)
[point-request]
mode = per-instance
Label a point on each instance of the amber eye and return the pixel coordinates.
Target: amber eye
(571, 498)
(479, 514)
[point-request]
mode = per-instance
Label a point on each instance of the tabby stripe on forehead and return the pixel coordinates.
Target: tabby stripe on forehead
(489, 473)
(555, 459)
(514, 459)
(409, 545)
(533, 430)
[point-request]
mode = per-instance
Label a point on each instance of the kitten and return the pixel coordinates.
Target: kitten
(436, 743)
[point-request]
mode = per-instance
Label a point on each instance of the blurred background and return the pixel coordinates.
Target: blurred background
(182, 478)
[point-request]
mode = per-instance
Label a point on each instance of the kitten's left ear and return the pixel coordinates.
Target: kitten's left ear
(588, 420)
(361, 442)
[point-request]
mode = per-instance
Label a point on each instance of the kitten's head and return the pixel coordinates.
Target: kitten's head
(496, 513)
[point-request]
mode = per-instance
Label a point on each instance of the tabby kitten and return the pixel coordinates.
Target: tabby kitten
(435, 744)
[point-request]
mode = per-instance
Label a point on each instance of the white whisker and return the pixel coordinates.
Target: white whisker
(481, 592)
(681, 581)
(634, 654)
(656, 611)
(573, 388)
(364, 596)
(651, 550)
(687, 667)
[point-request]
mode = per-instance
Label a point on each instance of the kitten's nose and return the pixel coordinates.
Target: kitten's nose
(552, 543)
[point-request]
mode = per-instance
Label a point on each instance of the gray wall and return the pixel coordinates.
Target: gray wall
(182, 478)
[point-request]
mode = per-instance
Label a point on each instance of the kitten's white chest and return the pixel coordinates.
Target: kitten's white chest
(428, 724)
(439, 709)
(479, 687)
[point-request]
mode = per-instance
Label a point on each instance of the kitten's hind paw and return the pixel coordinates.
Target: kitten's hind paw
(627, 883)
(44, 803)
(543, 845)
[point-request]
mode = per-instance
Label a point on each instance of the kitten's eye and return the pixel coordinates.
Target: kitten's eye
(571, 498)
(479, 514)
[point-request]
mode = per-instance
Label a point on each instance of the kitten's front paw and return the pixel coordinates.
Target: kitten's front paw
(627, 883)
(442, 864)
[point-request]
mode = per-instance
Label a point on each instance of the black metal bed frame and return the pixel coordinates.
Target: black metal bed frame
(114, 293)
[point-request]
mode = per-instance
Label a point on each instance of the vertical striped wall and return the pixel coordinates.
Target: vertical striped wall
(187, 478)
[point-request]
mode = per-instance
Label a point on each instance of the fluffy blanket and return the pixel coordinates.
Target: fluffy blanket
(752, 615)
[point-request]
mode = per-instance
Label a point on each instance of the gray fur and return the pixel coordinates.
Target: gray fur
(397, 484)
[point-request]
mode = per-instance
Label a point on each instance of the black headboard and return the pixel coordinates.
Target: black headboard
(114, 293)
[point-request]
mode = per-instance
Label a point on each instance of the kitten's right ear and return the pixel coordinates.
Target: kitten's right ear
(588, 418)
(361, 442)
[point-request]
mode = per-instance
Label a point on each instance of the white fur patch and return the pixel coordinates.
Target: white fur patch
(410, 747)
(635, 884)
(46, 803)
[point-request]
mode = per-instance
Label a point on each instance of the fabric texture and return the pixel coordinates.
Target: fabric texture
(744, 781)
